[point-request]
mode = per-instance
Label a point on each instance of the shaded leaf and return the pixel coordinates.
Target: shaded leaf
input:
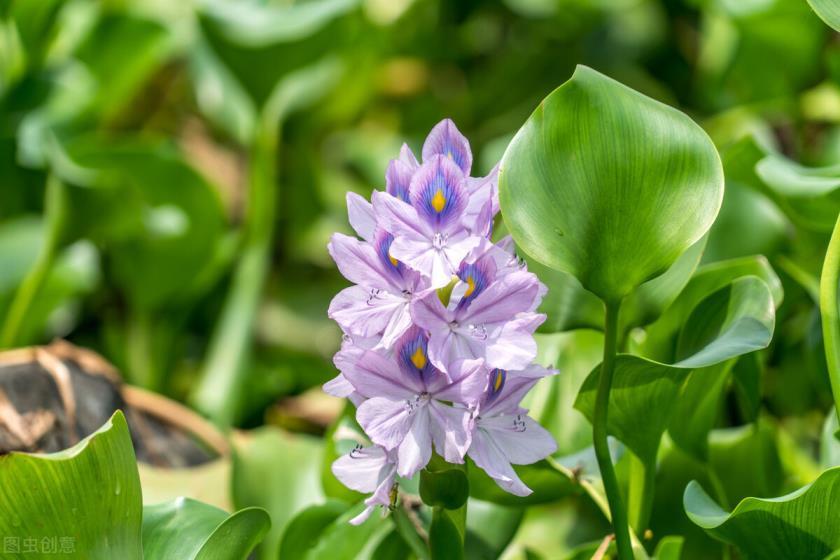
(737, 319)
(801, 524)
(190, 530)
(256, 463)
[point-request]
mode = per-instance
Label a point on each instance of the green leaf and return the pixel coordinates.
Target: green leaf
(548, 483)
(343, 541)
(190, 530)
(810, 195)
(220, 96)
(255, 24)
(256, 463)
(569, 306)
(732, 321)
(443, 485)
(597, 160)
(669, 548)
(802, 524)
(174, 223)
(701, 399)
(490, 528)
(304, 530)
(658, 342)
(445, 541)
(829, 12)
(88, 495)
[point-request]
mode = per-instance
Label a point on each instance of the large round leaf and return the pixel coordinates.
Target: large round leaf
(608, 185)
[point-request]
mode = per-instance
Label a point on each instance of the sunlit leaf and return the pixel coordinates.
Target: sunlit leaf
(88, 495)
(598, 160)
(828, 10)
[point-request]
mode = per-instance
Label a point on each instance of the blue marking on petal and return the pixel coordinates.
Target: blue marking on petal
(477, 277)
(497, 383)
(438, 194)
(382, 243)
(412, 354)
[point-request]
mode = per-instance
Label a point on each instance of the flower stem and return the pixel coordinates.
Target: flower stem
(599, 435)
(829, 312)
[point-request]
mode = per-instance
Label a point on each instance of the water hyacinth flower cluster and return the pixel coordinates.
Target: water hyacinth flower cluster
(438, 348)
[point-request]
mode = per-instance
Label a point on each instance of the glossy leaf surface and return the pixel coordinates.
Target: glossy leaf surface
(596, 161)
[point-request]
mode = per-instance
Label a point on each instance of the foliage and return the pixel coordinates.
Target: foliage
(172, 172)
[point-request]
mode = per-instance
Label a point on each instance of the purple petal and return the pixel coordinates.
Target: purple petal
(428, 312)
(492, 460)
(512, 348)
(513, 387)
(374, 375)
(415, 450)
(338, 386)
(446, 140)
(502, 300)
(363, 516)
(399, 218)
(397, 326)
(365, 312)
(520, 438)
(438, 194)
(386, 421)
(468, 380)
(398, 179)
(450, 431)
(483, 204)
(360, 469)
(407, 157)
(360, 214)
(359, 263)
(477, 277)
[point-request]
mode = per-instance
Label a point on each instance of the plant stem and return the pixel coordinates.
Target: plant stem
(829, 312)
(405, 527)
(640, 493)
(55, 210)
(599, 435)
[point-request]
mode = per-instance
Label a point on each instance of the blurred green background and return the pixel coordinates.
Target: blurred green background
(171, 171)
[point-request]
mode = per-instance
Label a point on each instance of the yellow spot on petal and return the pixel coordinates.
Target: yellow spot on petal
(418, 358)
(439, 201)
(449, 154)
(471, 286)
(394, 262)
(497, 383)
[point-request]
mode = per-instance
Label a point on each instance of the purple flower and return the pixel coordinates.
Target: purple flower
(367, 470)
(379, 302)
(504, 434)
(427, 375)
(429, 233)
(489, 316)
(406, 402)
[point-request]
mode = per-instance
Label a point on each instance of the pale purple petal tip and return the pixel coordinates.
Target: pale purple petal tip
(446, 140)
